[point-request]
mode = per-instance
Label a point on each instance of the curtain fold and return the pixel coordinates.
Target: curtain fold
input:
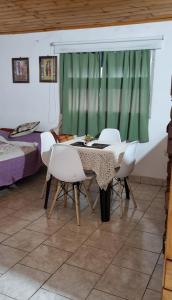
(125, 93)
(110, 89)
(79, 73)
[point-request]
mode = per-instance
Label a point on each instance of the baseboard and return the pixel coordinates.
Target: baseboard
(148, 180)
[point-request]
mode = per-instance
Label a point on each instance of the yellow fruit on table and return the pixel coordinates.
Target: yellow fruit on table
(88, 137)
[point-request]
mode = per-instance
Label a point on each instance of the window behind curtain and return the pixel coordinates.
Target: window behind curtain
(106, 89)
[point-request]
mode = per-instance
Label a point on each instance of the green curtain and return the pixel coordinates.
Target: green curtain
(109, 89)
(125, 93)
(80, 82)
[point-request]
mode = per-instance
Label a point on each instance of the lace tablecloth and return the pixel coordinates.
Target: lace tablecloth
(103, 162)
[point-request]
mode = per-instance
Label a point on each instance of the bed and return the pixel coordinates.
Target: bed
(19, 157)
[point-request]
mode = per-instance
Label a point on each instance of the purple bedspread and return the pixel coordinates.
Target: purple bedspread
(14, 169)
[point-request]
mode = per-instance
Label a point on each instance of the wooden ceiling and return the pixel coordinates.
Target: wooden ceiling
(18, 16)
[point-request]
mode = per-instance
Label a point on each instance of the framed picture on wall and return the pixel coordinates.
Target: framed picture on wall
(48, 68)
(20, 69)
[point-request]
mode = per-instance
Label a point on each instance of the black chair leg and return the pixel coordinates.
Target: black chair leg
(47, 192)
(105, 203)
(127, 190)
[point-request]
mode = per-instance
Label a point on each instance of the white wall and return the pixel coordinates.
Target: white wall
(39, 101)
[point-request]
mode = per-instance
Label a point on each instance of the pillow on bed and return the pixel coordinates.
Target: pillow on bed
(24, 129)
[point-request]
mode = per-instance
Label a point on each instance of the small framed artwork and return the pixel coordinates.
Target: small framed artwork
(20, 70)
(48, 68)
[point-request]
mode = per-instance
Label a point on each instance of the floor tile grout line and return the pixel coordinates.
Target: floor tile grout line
(37, 269)
(48, 235)
(52, 273)
(152, 274)
(38, 288)
(55, 247)
(8, 296)
(27, 252)
(21, 249)
(25, 227)
(80, 268)
(159, 235)
(4, 239)
(145, 211)
(49, 279)
(153, 290)
(122, 298)
(154, 234)
(132, 246)
(108, 265)
(41, 288)
(122, 267)
(57, 294)
(19, 262)
(50, 246)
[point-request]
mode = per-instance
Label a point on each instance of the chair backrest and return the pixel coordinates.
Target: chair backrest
(65, 164)
(47, 140)
(128, 161)
(109, 136)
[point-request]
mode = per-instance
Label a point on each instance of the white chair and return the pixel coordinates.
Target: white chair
(109, 136)
(126, 168)
(66, 166)
(47, 141)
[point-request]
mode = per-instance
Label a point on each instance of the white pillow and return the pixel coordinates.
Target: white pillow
(24, 129)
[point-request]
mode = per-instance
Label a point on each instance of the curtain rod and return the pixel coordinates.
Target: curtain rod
(106, 41)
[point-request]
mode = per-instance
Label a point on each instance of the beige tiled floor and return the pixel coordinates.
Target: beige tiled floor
(54, 259)
(123, 282)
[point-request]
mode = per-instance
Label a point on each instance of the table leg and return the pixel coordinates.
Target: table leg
(105, 203)
(47, 192)
(127, 190)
